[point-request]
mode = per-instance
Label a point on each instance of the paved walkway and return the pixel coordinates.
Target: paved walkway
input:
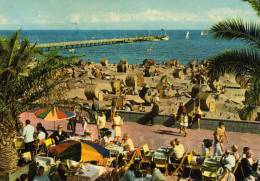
(158, 135)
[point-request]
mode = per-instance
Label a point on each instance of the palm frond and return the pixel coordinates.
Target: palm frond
(255, 4)
(252, 96)
(238, 29)
(243, 62)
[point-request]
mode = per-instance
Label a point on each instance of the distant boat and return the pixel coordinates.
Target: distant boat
(204, 32)
(187, 35)
(71, 50)
(166, 38)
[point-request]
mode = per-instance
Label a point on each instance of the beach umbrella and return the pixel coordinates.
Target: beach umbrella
(54, 114)
(83, 151)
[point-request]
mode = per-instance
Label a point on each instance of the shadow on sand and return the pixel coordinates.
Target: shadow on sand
(146, 120)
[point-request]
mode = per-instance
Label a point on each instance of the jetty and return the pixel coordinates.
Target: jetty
(100, 42)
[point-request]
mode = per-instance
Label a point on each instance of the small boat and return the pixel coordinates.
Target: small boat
(187, 36)
(204, 32)
(71, 50)
(165, 38)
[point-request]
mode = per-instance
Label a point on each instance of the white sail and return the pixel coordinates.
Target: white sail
(187, 35)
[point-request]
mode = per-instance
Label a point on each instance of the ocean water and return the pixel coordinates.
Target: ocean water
(197, 47)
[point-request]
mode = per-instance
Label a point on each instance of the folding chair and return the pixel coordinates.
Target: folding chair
(162, 164)
(47, 144)
(179, 167)
(27, 156)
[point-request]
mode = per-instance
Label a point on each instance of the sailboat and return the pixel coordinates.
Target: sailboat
(204, 32)
(187, 35)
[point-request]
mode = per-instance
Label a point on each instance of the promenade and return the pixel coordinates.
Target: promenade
(158, 135)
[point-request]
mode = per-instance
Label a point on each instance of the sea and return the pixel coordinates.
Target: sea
(197, 47)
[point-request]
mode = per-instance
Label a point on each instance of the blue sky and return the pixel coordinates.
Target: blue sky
(119, 14)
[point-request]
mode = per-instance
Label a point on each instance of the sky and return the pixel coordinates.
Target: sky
(120, 14)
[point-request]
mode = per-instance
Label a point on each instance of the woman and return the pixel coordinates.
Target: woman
(184, 123)
(117, 123)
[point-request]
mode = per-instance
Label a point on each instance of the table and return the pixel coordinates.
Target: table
(161, 153)
(115, 149)
(211, 167)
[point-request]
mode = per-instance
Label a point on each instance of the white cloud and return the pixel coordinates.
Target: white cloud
(3, 20)
(148, 15)
(155, 15)
(220, 14)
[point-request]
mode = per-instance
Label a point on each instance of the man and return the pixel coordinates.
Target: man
(59, 135)
(156, 173)
(127, 143)
(39, 176)
(117, 123)
(154, 112)
(228, 161)
(28, 132)
(101, 121)
(219, 135)
(247, 167)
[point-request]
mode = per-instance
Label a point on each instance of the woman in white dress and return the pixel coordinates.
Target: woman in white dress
(184, 123)
(117, 122)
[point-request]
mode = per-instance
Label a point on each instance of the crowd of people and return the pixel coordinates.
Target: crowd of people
(106, 136)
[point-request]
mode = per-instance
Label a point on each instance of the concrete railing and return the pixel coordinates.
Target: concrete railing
(206, 123)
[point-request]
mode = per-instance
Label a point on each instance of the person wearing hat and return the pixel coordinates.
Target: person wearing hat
(87, 135)
(127, 143)
(235, 152)
(117, 122)
(228, 162)
(59, 135)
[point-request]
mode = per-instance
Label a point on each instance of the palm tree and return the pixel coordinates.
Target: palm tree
(243, 62)
(26, 76)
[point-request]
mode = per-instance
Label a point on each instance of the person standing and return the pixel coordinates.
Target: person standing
(219, 135)
(184, 122)
(181, 110)
(101, 121)
(28, 132)
(154, 112)
(117, 122)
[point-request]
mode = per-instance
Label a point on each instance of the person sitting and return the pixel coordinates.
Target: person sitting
(24, 177)
(247, 167)
(127, 143)
(206, 148)
(235, 152)
(59, 135)
(177, 150)
(156, 173)
(130, 174)
(106, 140)
(39, 176)
(87, 136)
(228, 161)
(41, 133)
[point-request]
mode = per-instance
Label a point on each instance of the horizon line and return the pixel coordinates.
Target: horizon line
(98, 29)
